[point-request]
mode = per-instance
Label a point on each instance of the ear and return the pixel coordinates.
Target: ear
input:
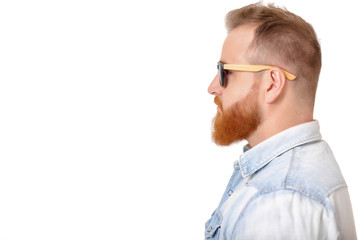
(275, 85)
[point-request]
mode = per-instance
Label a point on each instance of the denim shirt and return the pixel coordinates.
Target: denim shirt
(287, 187)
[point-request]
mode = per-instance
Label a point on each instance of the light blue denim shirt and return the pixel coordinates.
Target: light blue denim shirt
(287, 187)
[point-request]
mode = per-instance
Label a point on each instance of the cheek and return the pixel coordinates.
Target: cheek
(232, 96)
(229, 100)
(239, 85)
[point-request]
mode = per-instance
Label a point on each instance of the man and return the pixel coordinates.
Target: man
(286, 184)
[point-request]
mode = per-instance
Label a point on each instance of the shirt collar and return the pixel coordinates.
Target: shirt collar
(257, 157)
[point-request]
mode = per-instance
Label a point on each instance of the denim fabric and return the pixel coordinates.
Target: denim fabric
(287, 187)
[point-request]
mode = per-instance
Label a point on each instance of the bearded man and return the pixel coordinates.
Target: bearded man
(286, 184)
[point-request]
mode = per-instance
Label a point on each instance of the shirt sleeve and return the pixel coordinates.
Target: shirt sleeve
(340, 199)
(286, 214)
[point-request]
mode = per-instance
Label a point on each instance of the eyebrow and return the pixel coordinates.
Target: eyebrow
(224, 62)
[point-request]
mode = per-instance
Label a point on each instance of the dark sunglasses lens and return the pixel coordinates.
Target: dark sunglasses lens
(221, 73)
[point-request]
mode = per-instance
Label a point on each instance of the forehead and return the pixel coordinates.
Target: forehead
(236, 44)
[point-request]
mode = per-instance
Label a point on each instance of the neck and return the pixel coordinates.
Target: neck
(276, 124)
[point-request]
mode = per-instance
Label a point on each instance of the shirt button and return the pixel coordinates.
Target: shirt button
(209, 229)
(230, 192)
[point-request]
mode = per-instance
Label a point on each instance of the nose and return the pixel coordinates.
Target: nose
(215, 88)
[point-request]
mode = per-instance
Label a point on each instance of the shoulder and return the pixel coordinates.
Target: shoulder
(293, 196)
(309, 169)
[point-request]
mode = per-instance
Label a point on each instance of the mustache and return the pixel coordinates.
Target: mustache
(218, 102)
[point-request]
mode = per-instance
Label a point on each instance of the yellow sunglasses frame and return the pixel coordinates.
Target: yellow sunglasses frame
(255, 68)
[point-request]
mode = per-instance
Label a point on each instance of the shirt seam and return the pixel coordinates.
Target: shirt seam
(290, 167)
(259, 194)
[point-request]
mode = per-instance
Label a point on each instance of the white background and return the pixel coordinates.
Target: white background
(105, 117)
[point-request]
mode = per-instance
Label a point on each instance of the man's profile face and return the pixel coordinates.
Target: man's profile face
(239, 112)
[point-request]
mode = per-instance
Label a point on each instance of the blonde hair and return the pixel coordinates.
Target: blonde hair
(282, 39)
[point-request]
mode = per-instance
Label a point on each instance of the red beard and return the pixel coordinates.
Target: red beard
(239, 121)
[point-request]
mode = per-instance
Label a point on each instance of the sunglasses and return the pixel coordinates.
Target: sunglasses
(223, 71)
